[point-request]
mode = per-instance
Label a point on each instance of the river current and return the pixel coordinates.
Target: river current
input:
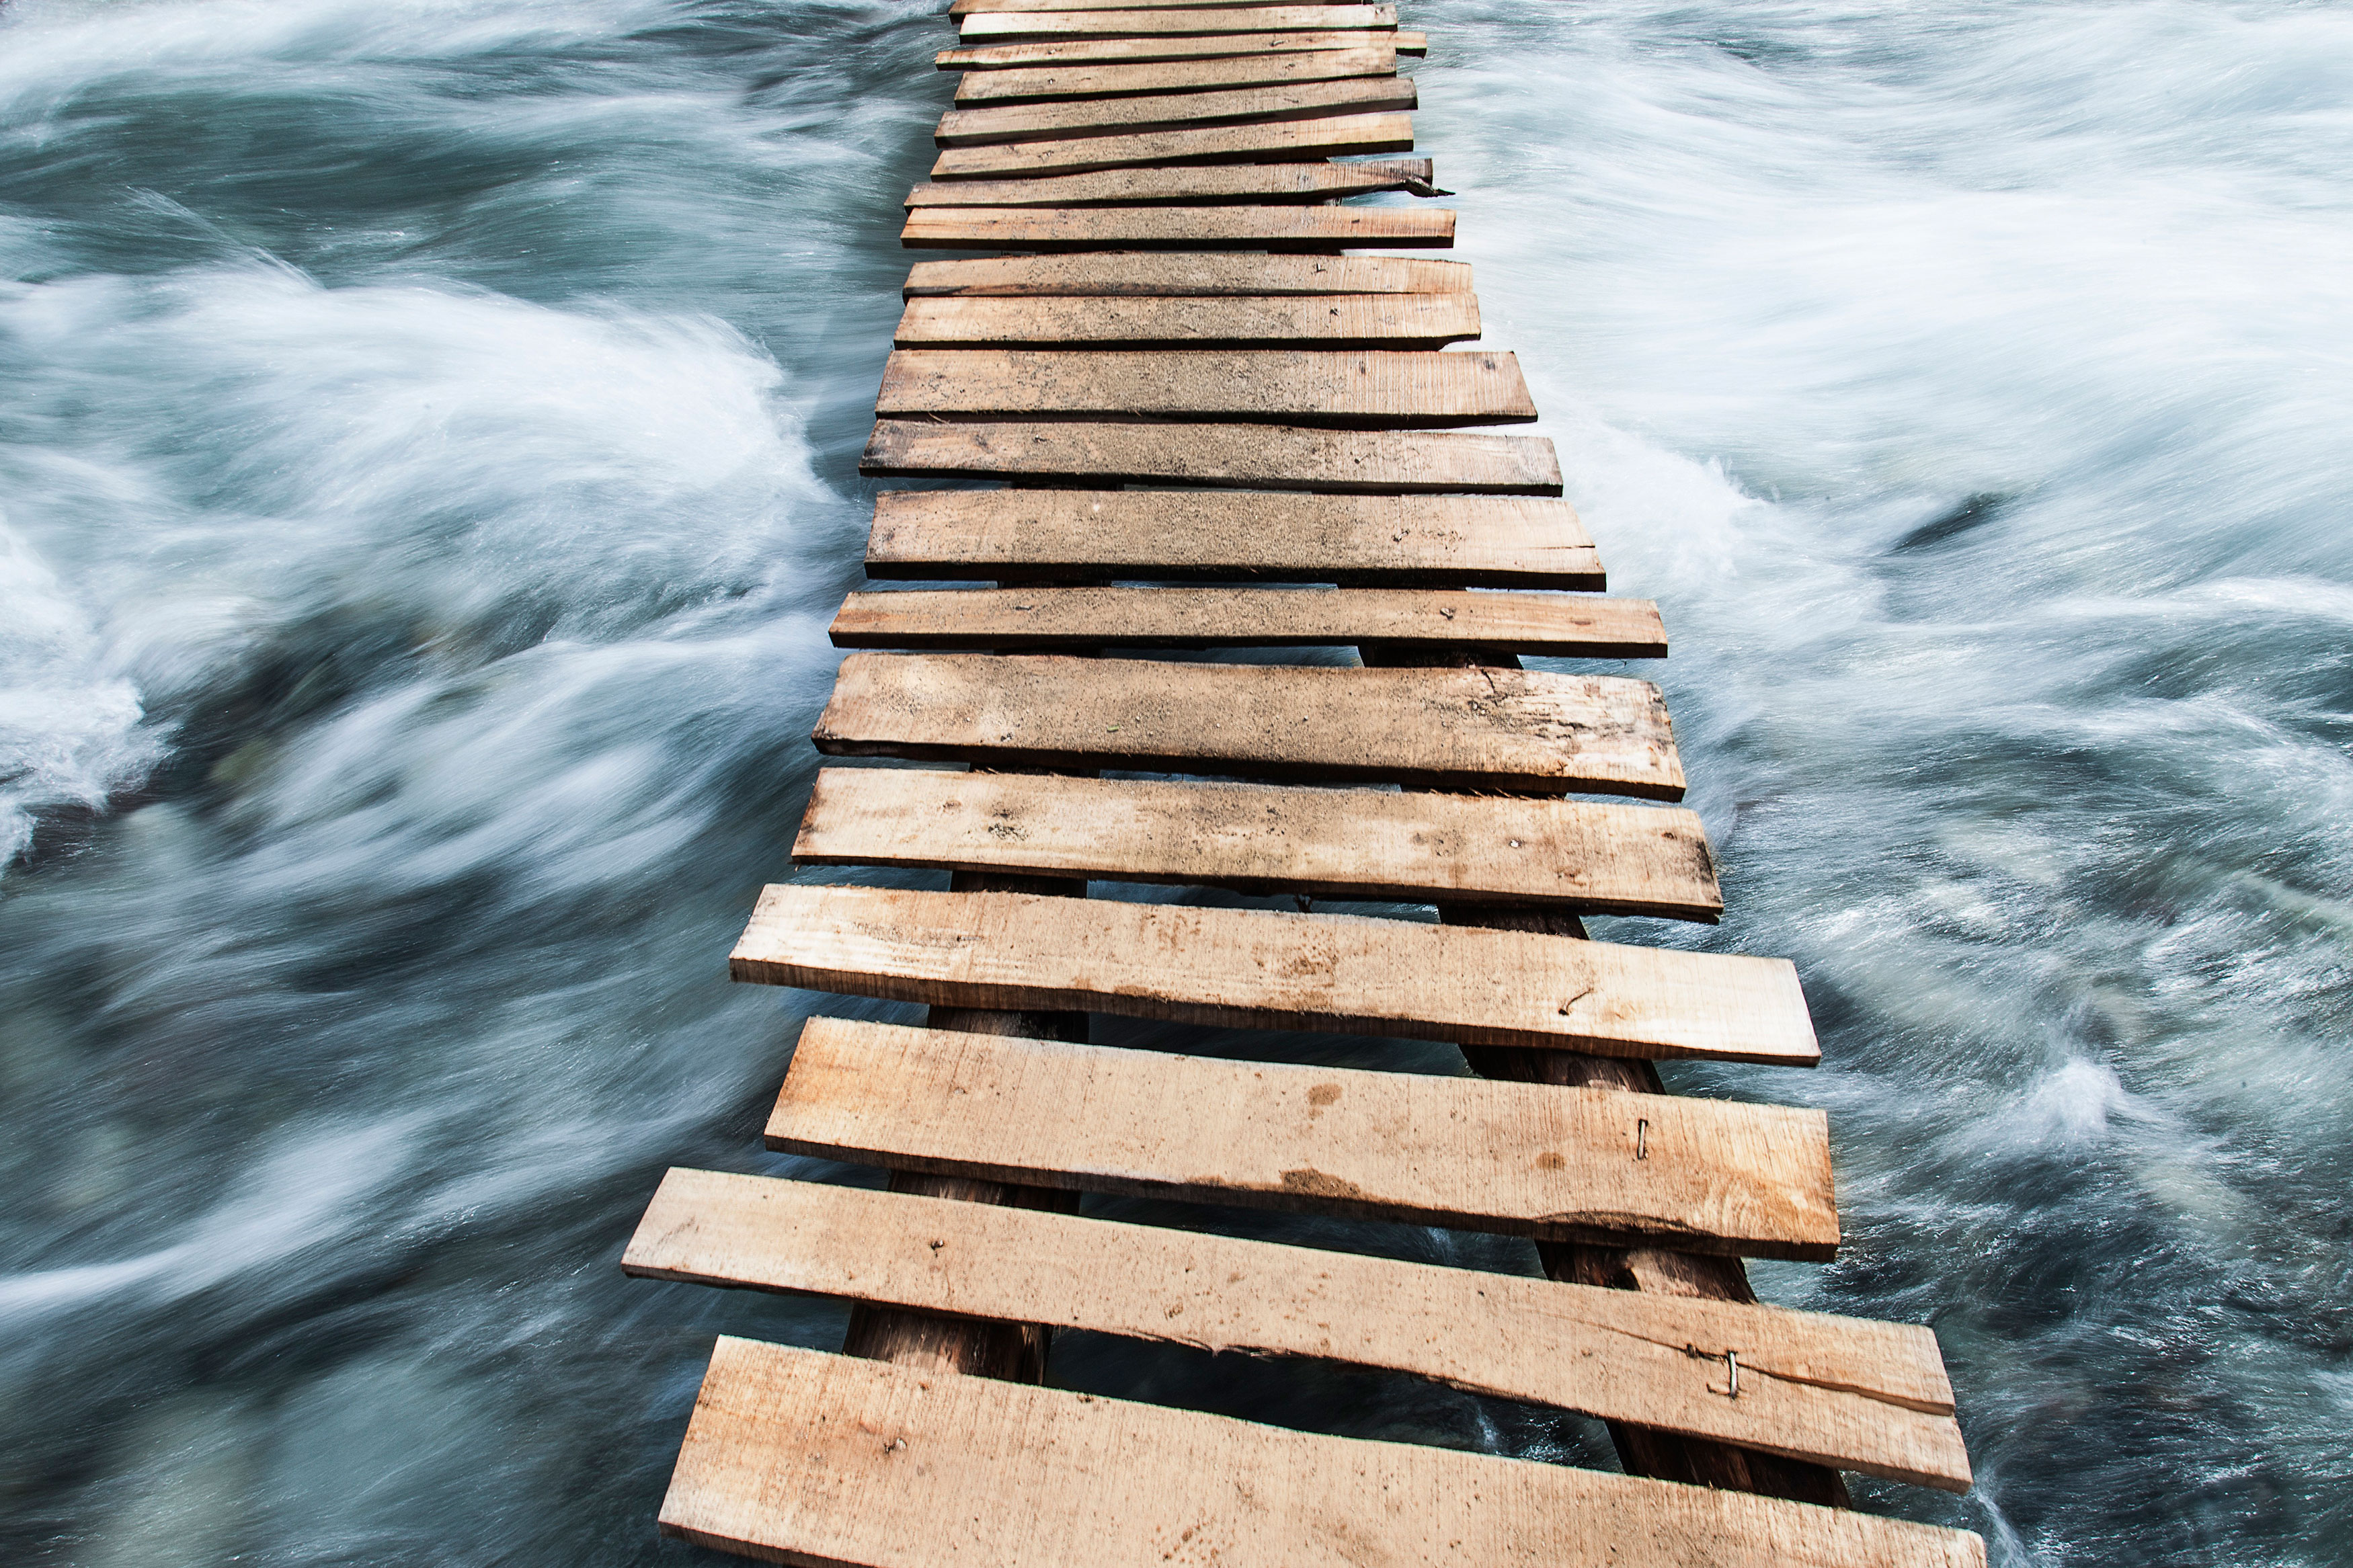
(427, 445)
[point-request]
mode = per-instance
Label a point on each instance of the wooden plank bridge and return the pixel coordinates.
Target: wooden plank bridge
(1218, 429)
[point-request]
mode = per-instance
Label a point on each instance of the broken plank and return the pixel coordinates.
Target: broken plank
(1330, 320)
(1192, 183)
(1414, 844)
(1477, 541)
(1081, 81)
(1175, 228)
(1022, 122)
(1365, 388)
(1247, 455)
(1150, 272)
(1136, 51)
(1270, 140)
(801, 1457)
(1864, 1395)
(1489, 729)
(979, 28)
(1561, 626)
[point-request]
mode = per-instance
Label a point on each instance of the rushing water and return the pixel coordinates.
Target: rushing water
(427, 440)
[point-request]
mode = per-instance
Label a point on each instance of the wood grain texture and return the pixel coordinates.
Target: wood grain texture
(984, 27)
(1173, 228)
(1867, 1396)
(1259, 969)
(1137, 51)
(1192, 184)
(1479, 540)
(1462, 1152)
(1357, 388)
(1076, 81)
(801, 1457)
(1326, 321)
(1262, 457)
(1562, 625)
(1165, 111)
(1331, 843)
(1272, 140)
(1148, 272)
(1487, 728)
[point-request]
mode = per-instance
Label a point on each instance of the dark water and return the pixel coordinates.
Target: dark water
(427, 465)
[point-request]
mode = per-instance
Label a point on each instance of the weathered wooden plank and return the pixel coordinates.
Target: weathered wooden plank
(1864, 1395)
(1190, 184)
(1362, 388)
(1396, 462)
(1062, 535)
(801, 1457)
(1332, 843)
(1138, 51)
(963, 8)
(1259, 969)
(1076, 81)
(1147, 272)
(1165, 111)
(1262, 142)
(1173, 228)
(1563, 625)
(1490, 728)
(977, 27)
(1327, 320)
(1464, 1152)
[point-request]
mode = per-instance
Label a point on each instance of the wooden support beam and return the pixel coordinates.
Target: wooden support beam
(1330, 843)
(1168, 112)
(1275, 457)
(1486, 541)
(1488, 730)
(1261, 969)
(1167, 47)
(1328, 322)
(1259, 142)
(1081, 81)
(1175, 228)
(800, 1457)
(1873, 1396)
(1157, 273)
(984, 27)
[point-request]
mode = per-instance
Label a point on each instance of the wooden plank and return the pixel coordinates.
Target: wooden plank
(1479, 540)
(1147, 272)
(1265, 457)
(1326, 321)
(1076, 81)
(981, 28)
(1489, 729)
(963, 8)
(1162, 111)
(1173, 228)
(800, 1457)
(1138, 51)
(1864, 1395)
(1363, 388)
(1265, 970)
(1268, 141)
(1562, 625)
(1331, 843)
(1192, 183)
(1462, 1152)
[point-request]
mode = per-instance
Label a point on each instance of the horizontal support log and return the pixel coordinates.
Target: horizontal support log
(1161, 273)
(1391, 462)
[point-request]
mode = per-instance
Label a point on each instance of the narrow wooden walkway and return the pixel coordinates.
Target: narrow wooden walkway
(1220, 430)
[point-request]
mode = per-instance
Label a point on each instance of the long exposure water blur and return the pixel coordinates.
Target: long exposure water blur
(427, 445)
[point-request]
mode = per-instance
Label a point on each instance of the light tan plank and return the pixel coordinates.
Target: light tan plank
(1264, 457)
(1537, 1160)
(1076, 81)
(805, 1457)
(962, 8)
(1165, 111)
(1562, 625)
(1487, 728)
(1192, 183)
(981, 28)
(1332, 843)
(1257, 969)
(1270, 140)
(1147, 272)
(1327, 320)
(1138, 51)
(1479, 540)
(1363, 388)
(1861, 1395)
(1173, 228)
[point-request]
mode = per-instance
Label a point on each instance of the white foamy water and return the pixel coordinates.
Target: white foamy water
(427, 461)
